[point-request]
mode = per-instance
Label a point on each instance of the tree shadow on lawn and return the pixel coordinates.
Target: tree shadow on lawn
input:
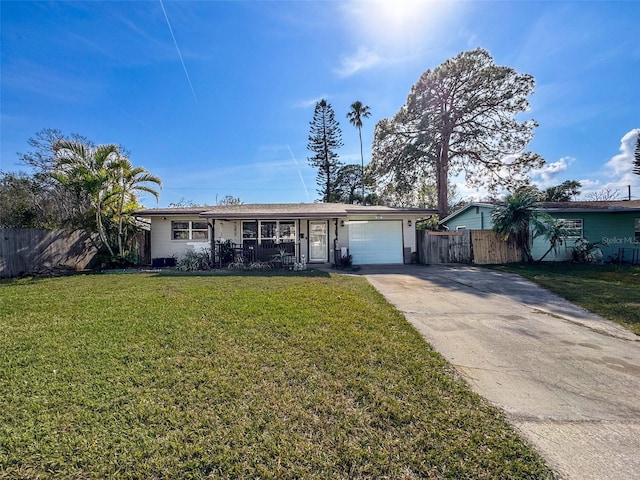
(242, 273)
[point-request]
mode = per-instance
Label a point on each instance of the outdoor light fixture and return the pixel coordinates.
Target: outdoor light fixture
(342, 223)
(409, 223)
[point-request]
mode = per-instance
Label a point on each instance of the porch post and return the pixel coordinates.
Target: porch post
(212, 240)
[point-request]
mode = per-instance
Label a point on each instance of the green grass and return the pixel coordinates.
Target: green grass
(611, 291)
(274, 377)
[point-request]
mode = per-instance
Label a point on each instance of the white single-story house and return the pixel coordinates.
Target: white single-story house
(613, 225)
(318, 233)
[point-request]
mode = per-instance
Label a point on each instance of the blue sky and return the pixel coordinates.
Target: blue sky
(215, 97)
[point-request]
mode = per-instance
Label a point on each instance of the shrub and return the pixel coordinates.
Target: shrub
(193, 261)
(586, 252)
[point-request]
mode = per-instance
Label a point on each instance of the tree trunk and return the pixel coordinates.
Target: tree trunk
(101, 231)
(362, 162)
(442, 177)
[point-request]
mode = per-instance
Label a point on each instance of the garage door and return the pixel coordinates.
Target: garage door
(375, 242)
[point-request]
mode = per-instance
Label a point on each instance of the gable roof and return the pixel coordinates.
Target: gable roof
(286, 210)
(464, 209)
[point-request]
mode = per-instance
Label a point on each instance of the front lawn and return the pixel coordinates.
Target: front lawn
(287, 377)
(611, 291)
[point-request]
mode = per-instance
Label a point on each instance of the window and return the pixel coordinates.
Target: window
(269, 231)
(574, 225)
(287, 231)
(250, 229)
(189, 230)
(637, 231)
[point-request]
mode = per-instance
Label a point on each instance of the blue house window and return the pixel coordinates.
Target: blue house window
(574, 225)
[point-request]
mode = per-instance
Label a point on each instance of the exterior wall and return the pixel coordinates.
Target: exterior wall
(473, 218)
(163, 246)
(613, 230)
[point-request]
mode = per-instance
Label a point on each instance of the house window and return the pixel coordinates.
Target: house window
(250, 230)
(574, 225)
(637, 230)
(269, 231)
(189, 230)
(287, 231)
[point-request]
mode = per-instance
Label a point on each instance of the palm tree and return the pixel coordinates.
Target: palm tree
(355, 116)
(515, 216)
(129, 181)
(553, 229)
(89, 172)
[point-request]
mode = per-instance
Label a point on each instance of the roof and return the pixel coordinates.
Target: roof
(286, 210)
(577, 206)
(464, 209)
(617, 205)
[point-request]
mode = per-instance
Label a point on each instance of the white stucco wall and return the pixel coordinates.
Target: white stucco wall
(163, 246)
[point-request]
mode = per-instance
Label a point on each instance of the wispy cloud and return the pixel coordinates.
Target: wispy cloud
(311, 102)
(49, 82)
(184, 67)
(363, 59)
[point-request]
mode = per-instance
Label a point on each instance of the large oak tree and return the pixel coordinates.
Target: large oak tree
(459, 117)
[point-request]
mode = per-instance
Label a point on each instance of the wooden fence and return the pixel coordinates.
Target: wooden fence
(444, 247)
(465, 246)
(28, 250)
(488, 248)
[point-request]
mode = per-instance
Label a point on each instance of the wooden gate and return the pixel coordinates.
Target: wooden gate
(466, 246)
(444, 247)
(488, 248)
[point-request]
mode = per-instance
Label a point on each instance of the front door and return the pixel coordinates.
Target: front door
(318, 240)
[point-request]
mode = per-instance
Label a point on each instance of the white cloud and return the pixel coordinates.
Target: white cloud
(618, 171)
(547, 176)
(363, 59)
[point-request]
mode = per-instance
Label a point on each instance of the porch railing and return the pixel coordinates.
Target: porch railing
(228, 252)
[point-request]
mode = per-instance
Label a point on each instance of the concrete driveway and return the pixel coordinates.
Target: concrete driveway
(568, 380)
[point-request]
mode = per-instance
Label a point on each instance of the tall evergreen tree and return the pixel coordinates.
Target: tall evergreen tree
(463, 116)
(325, 138)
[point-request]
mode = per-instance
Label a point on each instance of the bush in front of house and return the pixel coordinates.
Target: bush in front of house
(194, 261)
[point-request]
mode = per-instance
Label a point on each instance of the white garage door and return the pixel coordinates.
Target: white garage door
(375, 242)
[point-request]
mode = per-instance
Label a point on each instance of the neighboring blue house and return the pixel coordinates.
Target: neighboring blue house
(613, 224)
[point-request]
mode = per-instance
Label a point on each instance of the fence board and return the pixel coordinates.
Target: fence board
(488, 248)
(466, 246)
(28, 250)
(444, 247)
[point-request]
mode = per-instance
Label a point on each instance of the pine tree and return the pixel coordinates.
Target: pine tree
(324, 139)
(463, 116)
